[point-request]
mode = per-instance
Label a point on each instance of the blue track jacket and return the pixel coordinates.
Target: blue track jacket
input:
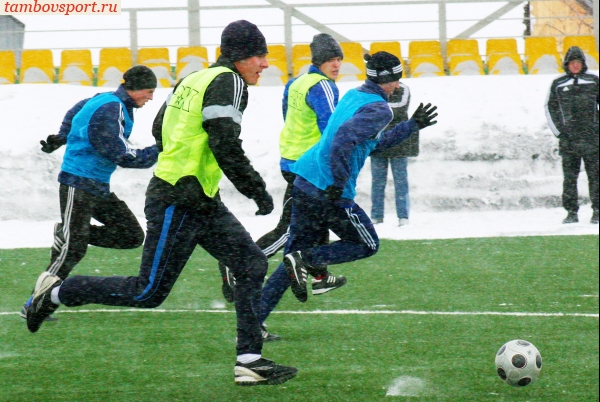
(322, 98)
(97, 130)
(354, 130)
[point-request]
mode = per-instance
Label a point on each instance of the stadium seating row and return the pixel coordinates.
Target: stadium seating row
(424, 60)
(76, 65)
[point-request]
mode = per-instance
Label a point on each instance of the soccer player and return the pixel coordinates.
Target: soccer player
(200, 139)
(308, 102)
(95, 131)
(324, 188)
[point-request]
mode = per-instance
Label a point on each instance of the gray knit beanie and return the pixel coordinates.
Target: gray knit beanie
(323, 48)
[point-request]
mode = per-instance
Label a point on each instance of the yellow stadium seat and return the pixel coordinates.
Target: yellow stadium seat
(37, 67)
(424, 58)
(505, 64)
(392, 48)
(353, 66)
(427, 66)
(540, 45)
(301, 59)
(157, 59)
(466, 65)
(277, 73)
(76, 67)
(501, 46)
(424, 48)
(190, 59)
(503, 57)
(113, 63)
(541, 56)
(587, 43)
(463, 57)
(544, 64)
(462, 47)
(217, 52)
(8, 67)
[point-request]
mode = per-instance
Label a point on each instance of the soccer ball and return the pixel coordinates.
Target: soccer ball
(518, 363)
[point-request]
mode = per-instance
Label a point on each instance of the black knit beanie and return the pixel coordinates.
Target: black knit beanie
(323, 48)
(383, 67)
(242, 39)
(139, 77)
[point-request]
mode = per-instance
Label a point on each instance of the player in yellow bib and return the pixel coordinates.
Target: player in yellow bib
(199, 143)
(308, 102)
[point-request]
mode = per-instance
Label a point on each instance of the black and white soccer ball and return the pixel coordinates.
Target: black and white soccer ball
(518, 363)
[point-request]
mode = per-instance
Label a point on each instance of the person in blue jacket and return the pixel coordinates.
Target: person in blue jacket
(308, 102)
(95, 132)
(325, 185)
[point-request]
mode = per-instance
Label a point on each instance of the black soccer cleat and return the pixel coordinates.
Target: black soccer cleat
(296, 269)
(330, 282)
(267, 336)
(262, 372)
(41, 307)
(23, 312)
(228, 286)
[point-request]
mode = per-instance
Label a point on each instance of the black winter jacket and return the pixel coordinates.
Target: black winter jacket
(572, 107)
(399, 101)
(224, 142)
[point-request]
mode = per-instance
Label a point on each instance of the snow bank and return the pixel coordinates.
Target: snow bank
(491, 150)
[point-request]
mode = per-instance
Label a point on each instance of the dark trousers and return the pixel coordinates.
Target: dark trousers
(311, 219)
(172, 234)
(270, 243)
(120, 228)
(277, 238)
(571, 164)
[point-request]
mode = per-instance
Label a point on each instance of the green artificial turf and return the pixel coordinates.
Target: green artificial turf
(419, 319)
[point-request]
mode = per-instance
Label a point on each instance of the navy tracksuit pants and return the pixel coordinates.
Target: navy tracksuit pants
(312, 218)
(172, 234)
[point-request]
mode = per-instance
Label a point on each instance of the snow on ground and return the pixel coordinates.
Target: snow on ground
(489, 167)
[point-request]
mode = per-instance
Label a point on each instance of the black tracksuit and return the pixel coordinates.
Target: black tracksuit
(572, 113)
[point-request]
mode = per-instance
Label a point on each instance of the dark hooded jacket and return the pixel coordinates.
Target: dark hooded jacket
(572, 107)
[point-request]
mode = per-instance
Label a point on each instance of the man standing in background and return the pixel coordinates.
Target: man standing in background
(397, 158)
(572, 113)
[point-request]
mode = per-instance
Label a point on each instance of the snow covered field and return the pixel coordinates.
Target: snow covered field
(489, 167)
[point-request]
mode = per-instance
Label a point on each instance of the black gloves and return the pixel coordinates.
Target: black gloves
(52, 143)
(265, 204)
(423, 116)
(333, 193)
